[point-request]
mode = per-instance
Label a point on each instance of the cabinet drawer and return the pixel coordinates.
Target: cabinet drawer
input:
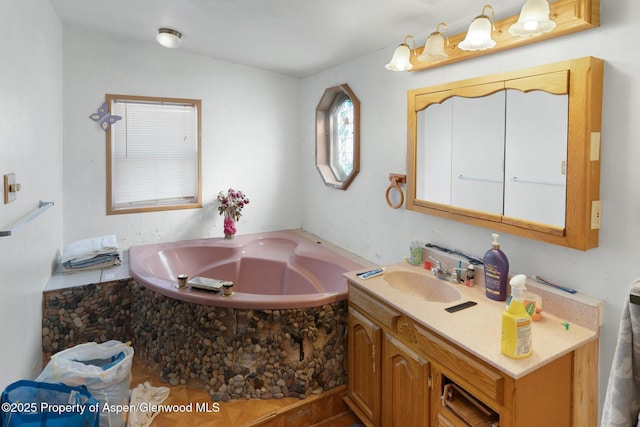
(467, 408)
(462, 367)
(375, 309)
(445, 419)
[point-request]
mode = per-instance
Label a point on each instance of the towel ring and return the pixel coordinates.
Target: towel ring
(395, 179)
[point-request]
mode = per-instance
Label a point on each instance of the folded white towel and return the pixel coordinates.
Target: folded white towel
(89, 248)
(102, 261)
(149, 394)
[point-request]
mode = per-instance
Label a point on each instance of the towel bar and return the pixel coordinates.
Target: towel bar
(530, 181)
(634, 299)
(475, 178)
(42, 206)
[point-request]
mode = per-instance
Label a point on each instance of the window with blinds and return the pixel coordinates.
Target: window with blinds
(153, 154)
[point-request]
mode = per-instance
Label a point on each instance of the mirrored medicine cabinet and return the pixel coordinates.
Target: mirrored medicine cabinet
(517, 152)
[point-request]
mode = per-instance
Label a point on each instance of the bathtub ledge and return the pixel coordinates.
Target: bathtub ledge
(64, 280)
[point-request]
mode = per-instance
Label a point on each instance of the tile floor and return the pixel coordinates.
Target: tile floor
(237, 413)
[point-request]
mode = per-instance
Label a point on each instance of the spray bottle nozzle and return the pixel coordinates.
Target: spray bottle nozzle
(517, 283)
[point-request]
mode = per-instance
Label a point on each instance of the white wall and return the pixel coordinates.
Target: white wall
(30, 146)
(250, 138)
(360, 220)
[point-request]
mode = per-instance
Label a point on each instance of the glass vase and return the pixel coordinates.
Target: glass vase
(229, 227)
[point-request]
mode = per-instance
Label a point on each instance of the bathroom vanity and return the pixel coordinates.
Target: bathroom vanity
(411, 363)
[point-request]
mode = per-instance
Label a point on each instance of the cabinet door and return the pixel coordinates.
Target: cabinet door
(364, 346)
(405, 386)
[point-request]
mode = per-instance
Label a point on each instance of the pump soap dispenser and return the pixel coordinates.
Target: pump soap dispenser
(516, 323)
(496, 271)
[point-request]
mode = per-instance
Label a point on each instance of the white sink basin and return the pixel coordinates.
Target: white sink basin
(421, 285)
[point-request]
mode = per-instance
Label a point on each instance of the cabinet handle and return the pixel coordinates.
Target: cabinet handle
(373, 357)
(430, 381)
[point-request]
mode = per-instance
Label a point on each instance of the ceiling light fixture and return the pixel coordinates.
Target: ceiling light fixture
(479, 33)
(169, 38)
(434, 47)
(533, 20)
(401, 60)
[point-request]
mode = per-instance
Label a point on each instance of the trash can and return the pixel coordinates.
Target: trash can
(33, 404)
(105, 369)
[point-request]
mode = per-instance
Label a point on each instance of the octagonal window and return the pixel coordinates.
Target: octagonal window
(337, 136)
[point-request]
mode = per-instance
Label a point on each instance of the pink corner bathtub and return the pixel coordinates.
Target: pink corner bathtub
(273, 270)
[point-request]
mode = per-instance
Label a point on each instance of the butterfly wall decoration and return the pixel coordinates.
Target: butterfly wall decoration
(104, 119)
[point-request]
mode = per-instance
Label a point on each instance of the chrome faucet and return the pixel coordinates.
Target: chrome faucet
(437, 270)
(438, 265)
(443, 273)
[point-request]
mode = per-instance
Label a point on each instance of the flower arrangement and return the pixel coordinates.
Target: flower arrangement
(230, 205)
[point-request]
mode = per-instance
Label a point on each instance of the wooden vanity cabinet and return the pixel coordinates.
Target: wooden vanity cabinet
(398, 370)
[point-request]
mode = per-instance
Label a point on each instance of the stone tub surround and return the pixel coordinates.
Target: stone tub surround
(231, 353)
(241, 353)
(85, 306)
(478, 329)
(95, 312)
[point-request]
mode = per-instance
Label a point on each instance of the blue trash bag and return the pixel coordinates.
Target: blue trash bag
(105, 369)
(36, 404)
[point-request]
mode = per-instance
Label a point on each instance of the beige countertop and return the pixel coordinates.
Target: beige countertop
(478, 329)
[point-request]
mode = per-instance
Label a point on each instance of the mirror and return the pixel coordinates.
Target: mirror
(500, 153)
(536, 156)
(515, 152)
(462, 143)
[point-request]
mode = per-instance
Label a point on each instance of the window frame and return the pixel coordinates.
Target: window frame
(111, 210)
(325, 140)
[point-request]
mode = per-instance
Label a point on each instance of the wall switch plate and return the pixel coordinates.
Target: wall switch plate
(594, 152)
(596, 214)
(10, 187)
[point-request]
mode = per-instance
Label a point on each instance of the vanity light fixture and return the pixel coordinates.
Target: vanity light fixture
(566, 16)
(401, 60)
(533, 20)
(479, 33)
(434, 48)
(169, 38)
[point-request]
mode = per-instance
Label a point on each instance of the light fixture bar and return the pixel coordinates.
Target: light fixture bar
(570, 17)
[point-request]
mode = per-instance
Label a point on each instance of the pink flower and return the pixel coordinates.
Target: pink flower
(231, 203)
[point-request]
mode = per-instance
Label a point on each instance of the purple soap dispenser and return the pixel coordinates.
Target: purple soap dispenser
(496, 271)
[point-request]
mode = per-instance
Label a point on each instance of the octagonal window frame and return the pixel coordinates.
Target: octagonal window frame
(326, 137)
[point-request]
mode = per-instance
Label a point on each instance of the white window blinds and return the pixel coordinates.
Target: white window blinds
(154, 154)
